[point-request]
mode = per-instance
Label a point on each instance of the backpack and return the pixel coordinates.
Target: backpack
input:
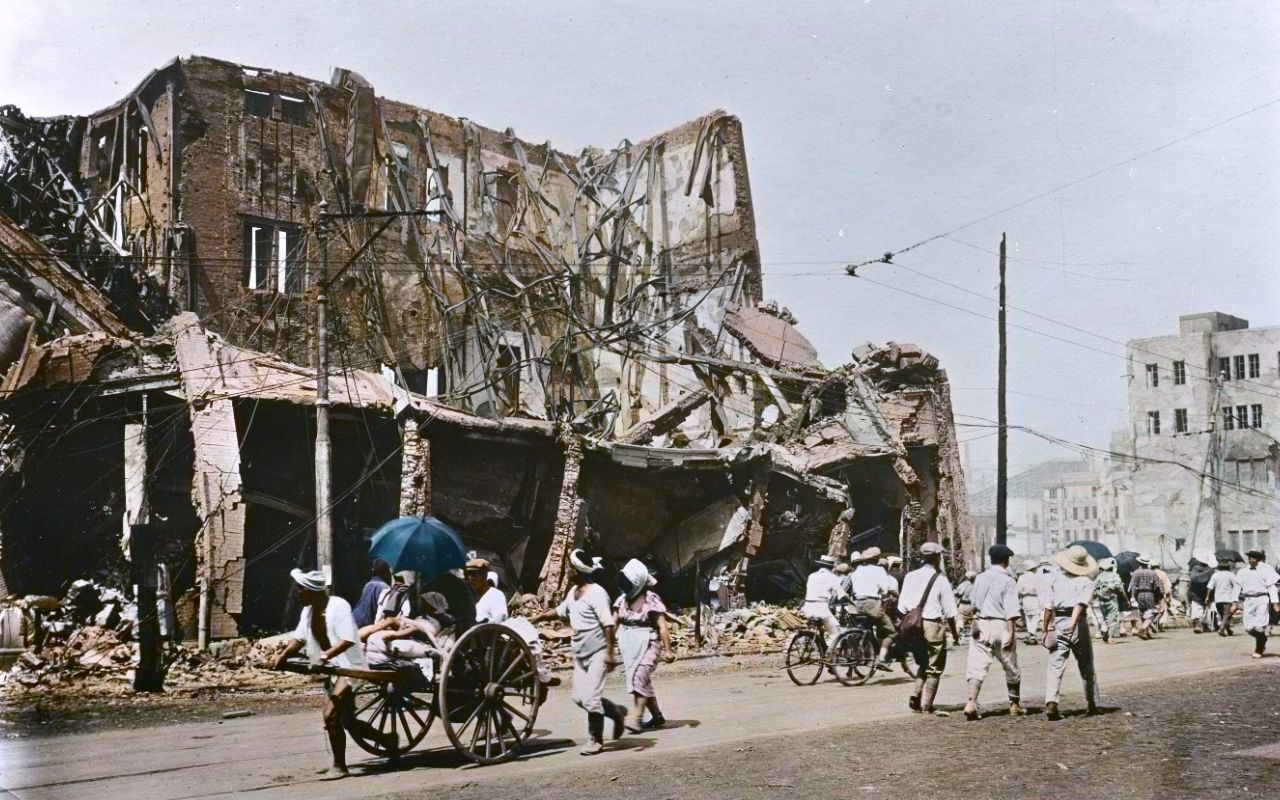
(911, 626)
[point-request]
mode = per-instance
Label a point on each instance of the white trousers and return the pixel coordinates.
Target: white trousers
(1031, 612)
(588, 682)
(992, 644)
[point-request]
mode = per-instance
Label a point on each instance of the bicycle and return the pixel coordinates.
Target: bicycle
(851, 657)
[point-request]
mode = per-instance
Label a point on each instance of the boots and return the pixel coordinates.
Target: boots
(617, 714)
(1015, 692)
(926, 697)
(1051, 711)
(595, 734)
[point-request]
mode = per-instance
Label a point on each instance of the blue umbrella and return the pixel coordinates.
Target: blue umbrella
(422, 544)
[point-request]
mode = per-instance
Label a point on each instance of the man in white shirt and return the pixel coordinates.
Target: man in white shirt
(1029, 584)
(993, 635)
(821, 589)
(1066, 603)
(1224, 592)
(327, 630)
(927, 588)
(1258, 596)
(869, 584)
(491, 603)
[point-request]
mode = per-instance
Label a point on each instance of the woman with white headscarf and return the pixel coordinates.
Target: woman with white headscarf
(643, 636)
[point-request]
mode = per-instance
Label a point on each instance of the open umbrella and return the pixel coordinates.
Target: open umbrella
(1228, 556)
(1096, 549)
(1126, 563)
(422, 544)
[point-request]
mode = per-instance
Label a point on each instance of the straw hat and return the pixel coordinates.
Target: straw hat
(1030, 564)
(1144, 559)
(1075, 560)
(871, 554)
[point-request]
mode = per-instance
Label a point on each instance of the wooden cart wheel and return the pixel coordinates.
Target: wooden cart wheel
(384, 708)
(488, 694)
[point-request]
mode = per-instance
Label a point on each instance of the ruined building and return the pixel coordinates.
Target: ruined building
(541, 348)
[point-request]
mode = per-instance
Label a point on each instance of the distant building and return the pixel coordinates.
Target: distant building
(1028, 527)
(1204, 416)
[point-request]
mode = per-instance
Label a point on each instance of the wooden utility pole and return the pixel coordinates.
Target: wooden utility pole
(1002, 421)
(324, 517)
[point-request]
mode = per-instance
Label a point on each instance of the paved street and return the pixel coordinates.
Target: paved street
(744, 732)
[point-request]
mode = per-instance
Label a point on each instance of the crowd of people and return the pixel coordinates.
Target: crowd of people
(1056, 599)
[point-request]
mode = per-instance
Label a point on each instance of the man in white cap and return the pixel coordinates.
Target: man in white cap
(1224, 593)
(1029, 585)
(327, 630)
(1258, 596)
(929, 590)
(821, 589)
(592, 644)
(1066, 604)
(869, 585)
(994, 634)
(1146, 589)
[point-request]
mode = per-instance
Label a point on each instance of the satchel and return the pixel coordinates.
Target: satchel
(911, 626)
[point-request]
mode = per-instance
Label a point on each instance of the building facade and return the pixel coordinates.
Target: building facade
(1202, 450)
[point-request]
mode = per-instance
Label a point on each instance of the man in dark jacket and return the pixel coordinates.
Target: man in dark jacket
(366, 608)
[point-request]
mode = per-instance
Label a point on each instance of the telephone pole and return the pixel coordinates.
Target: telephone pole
(1002, 420)
(324, 517)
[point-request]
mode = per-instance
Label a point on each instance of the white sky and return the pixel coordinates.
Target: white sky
(869, 126)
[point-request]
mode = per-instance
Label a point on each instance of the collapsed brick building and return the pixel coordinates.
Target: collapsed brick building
(541, 348)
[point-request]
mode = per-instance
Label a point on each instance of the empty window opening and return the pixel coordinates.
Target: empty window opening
(274, 258)
(257, 104)
(293, 110)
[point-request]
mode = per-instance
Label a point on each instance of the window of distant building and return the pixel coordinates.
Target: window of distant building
(1153, 375)
(1153, 423)
(1179, 373)
(273, 257)
(1255, 366)
(1255, 415)
(1224, 369)
(1179, 420)
(1229, 418)
(1238, 363)
(257, 104)
(1242, 417)
(293, 110)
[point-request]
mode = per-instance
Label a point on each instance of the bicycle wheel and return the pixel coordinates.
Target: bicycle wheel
(804, 659)
(863, 658)
(843, 655)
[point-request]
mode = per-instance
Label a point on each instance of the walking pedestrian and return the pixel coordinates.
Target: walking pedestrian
(366, 608)
(644, 636)
(1166, 596)
(1066, 622)
(1224, 593)
(1198, 595)
(928, 589)
(1146, 590)
(994, 633)
(1258, 597)
(869, 584)
(1029, 597)
(491, 603)
(1109, 590)
(328, 633)
(964, 602)
(591, 647)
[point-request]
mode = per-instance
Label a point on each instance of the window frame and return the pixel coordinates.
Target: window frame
(1179, 373)
(1153, 376)
(284, 268)
(1153, 423)
(1255, 365)
(1180, 420)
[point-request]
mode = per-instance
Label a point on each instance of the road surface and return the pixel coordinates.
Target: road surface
(750, 715)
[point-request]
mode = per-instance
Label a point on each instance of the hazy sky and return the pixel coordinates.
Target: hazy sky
(869, 126)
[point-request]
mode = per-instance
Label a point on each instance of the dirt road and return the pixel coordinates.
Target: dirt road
(743, 732)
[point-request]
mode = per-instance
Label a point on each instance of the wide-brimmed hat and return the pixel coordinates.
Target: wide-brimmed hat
(1144, 559)
(635, 578)
(1030, 564)
(1107, 564)
(893, 559)
(825, 561)
(312, 581)
(1075, 560)
(578, 559)
(1044, 561)
(871, 554)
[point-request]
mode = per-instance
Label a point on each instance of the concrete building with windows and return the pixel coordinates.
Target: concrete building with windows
(1204, 417)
